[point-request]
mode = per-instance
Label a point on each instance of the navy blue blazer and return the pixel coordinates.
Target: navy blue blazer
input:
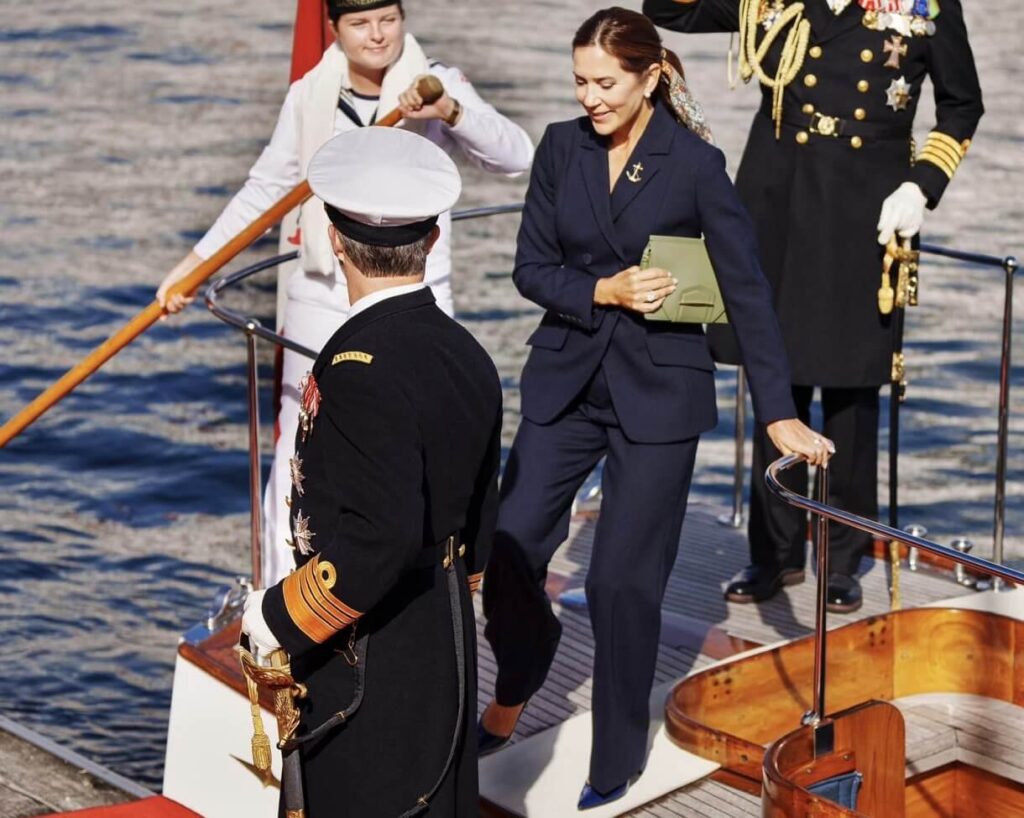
(573, 232)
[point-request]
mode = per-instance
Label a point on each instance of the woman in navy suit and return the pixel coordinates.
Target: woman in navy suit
(602, 380)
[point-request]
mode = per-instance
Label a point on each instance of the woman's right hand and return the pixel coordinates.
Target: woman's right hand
(177, 302)
(635, 289)
(792, 436)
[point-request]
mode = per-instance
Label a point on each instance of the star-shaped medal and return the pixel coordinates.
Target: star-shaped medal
(295, 464)
(897, 95)
(302, 534)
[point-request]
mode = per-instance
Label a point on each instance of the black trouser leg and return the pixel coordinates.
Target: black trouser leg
(545, 469)
(645, 487)
(851, 422)
(777, 532)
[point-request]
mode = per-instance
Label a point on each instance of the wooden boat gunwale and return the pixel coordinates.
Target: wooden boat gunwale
(711, 724)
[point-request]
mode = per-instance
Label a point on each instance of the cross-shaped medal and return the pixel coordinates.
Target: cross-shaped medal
(634, 174)
(895, 48)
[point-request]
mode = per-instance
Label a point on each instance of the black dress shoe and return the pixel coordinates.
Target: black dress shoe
(843, 594)
(756, 583)
(487, 742)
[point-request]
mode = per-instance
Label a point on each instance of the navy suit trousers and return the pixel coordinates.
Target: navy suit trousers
(645, 488)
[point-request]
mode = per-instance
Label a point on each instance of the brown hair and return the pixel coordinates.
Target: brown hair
(629, 37)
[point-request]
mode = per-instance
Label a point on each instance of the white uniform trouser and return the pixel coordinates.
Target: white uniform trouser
(316, 306)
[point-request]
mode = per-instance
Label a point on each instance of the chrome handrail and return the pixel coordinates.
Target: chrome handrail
(825, 512)
(1009, 265)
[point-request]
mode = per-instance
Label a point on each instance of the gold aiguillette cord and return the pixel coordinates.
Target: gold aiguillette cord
(278, 679)
(260, 739)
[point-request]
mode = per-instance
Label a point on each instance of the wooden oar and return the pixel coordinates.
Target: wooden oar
(429, 87)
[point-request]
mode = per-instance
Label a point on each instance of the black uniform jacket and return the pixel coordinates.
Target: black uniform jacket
(815, 197)
(403, 451)
(573, 232)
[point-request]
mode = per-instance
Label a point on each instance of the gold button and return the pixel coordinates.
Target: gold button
(810, 80)
(856, 142)
(863, 86)
(815, 51)
(808, 108)
(802, 137)
(860, 113)
(866, 55)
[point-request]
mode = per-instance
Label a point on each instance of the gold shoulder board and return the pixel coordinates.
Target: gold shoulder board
(361, 357)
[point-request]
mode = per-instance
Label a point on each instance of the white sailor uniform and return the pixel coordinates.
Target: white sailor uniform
(317, 298)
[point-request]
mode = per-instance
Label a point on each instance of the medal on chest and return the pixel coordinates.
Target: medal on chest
(310, 404)
(897, 95)
(302, 536)
(910, 18)
(295, 467)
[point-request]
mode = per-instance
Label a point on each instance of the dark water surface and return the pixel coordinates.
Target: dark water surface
(125, 128)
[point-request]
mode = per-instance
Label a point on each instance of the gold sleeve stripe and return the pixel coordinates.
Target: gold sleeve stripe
(474, 582)
(312, 607)
(939, 138)
(939, 160)
(949, 151)
(944, 151)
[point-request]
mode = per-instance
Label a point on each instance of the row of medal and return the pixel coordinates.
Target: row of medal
(911, 18)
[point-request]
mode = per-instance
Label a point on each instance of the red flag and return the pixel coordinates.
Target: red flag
(312, 36)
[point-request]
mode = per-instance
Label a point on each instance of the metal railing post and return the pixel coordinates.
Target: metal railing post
(821, 612)
(255, 477)
(735, 520)
(1009, 268)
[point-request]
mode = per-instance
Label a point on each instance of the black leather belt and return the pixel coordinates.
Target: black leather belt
(439, 554)
(822, 124)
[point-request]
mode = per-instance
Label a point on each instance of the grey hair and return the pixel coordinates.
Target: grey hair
(387, 262)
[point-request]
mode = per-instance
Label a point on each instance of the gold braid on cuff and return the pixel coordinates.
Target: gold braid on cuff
(316, 611)
(474, 582)
(944, 152)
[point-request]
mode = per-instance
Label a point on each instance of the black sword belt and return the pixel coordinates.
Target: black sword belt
(822, 124)
(445, 554)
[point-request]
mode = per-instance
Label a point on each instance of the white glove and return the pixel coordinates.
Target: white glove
(256, 626)
(902, 212)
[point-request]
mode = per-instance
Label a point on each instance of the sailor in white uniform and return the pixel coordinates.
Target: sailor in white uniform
(371, 69)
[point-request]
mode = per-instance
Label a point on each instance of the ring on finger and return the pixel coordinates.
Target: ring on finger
(650, 297)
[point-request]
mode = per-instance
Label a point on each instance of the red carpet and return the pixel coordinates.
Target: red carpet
(155, 807)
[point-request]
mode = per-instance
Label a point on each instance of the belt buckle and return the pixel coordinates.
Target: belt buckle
(450, 553)
(824, 125)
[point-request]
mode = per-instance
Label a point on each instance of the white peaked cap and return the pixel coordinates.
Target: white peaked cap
(383, 178)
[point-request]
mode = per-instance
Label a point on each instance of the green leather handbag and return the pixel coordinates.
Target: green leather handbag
(697, 299)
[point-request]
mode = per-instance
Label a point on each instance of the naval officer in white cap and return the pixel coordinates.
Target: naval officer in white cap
(393, 504)
(372, 68)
